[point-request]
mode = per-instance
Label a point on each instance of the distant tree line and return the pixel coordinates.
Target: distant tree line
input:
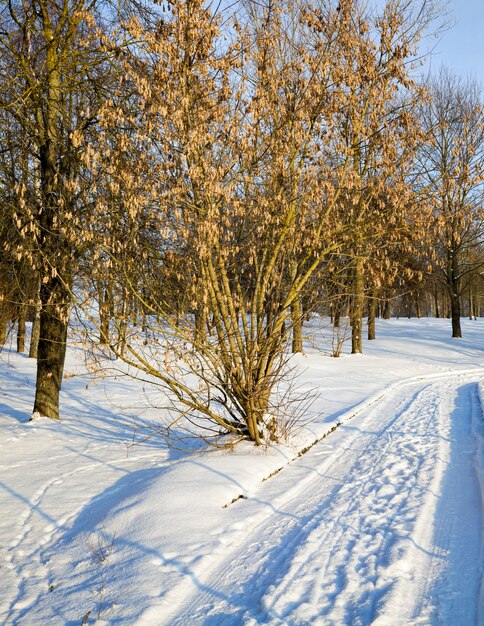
(201, 177)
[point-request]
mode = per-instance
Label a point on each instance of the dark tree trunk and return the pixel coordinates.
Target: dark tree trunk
(473, 298)
(55, 300)
(296, 315)
(54, 293)
(453, 287)
(387, 312)
(455, 315)
(409, 305)
(4, 318)
(123, 323)
(356, 334)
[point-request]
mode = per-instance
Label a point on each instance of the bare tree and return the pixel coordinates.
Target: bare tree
(451, 164)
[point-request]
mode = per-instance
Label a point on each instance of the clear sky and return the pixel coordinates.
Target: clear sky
(461, 48)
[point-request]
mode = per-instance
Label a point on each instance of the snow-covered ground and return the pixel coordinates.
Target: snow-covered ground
(380, 522)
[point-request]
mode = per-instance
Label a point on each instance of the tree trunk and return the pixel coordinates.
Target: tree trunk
(253, 428)
(55, 300)
(35, 334)
(104, 313)
(409, 305)
(455, 314)
(472, 304)
(3, 327)
(418, 305)
(22, 316)
(436, 300)
(123, 323)
(372, 304)
(453, 286)
(4, 318)
(200, 322)
(297, 330)
(337, 314)
(387, 311)
(296, 315)
(358, 303)
(55, 297)
(256, 403)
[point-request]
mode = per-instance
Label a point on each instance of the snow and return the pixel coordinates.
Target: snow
(379, 522)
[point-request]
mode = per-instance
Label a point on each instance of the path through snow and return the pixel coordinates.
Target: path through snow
(386, 530)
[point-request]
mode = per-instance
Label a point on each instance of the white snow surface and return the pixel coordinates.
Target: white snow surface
(379, 522)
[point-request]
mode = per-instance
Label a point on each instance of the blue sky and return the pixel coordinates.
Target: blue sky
(461, 48)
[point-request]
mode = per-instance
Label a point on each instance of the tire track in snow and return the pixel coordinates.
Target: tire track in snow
(358, 530)
(332, 553)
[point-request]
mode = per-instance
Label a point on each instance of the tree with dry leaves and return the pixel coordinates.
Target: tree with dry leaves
(377, 134)
(223, 133)
(234, 181)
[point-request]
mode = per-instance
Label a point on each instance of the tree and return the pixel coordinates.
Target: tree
(49, 52)
(228, 156)
(451, 163)
(232, 174)
(375, 132)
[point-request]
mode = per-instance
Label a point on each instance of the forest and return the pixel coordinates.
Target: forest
(191, 181)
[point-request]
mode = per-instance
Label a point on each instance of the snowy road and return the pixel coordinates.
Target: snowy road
(380, 523)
